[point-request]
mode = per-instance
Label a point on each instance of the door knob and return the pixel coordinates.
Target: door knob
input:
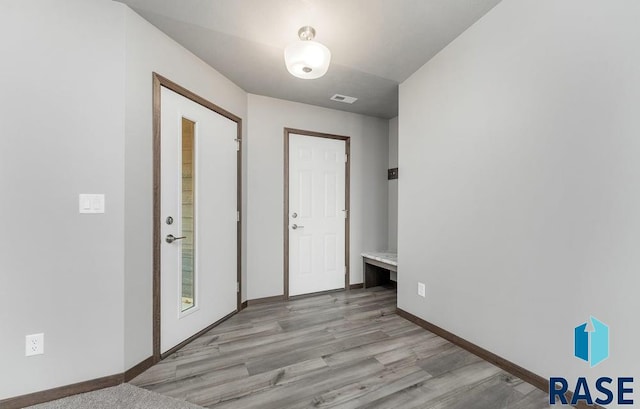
(171, 238)
(295, 227)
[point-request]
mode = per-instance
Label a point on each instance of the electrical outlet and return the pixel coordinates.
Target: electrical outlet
(422, 290)
(34, 345)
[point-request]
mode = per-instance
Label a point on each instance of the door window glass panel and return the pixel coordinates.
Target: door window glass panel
(188, 215)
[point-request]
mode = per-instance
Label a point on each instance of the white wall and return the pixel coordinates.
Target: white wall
(369, 146)
(76, 105)
(149, 50)
(520, 174)
(392, 243)
(61, 134)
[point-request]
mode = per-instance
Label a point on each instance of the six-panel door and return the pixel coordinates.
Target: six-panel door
(317, 177)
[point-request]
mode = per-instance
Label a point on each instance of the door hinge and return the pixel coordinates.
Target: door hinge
(346, 213)
(345, 270)
(346, 158)
(237, 286)
(238, 142)
(237, 215)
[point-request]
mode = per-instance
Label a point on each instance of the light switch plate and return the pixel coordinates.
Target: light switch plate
(91, 203)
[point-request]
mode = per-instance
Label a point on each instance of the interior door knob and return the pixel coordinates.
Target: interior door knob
(171, 238)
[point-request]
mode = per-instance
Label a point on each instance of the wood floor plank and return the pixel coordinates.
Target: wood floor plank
(302, 392)
(342, 350)
(399, 358)
(269, 350)
(241, 390)
(380, 384)
(186, 384)
(249, 331)
(306, 352)
(435, 390)
(383, 345)
(447, 360)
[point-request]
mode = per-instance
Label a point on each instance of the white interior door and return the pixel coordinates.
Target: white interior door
(198, 218)
(317, 177)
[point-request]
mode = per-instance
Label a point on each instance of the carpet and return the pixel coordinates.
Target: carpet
(123, 396)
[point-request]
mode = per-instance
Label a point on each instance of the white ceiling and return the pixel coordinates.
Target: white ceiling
(375, 44)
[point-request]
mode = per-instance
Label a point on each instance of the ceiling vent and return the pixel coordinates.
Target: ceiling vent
(343, 98)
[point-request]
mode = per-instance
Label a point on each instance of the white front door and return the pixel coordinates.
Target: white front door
(198, 217)
(317, 177)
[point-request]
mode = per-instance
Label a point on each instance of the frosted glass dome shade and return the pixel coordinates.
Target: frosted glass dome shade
(307, 59)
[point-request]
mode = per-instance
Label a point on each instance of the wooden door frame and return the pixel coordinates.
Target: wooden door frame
(347, 184)
(158, 82)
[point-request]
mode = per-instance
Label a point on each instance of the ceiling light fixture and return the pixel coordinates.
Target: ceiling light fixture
(307, 59)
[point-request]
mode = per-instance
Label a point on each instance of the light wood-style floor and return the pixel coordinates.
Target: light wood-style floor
(338, 350)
